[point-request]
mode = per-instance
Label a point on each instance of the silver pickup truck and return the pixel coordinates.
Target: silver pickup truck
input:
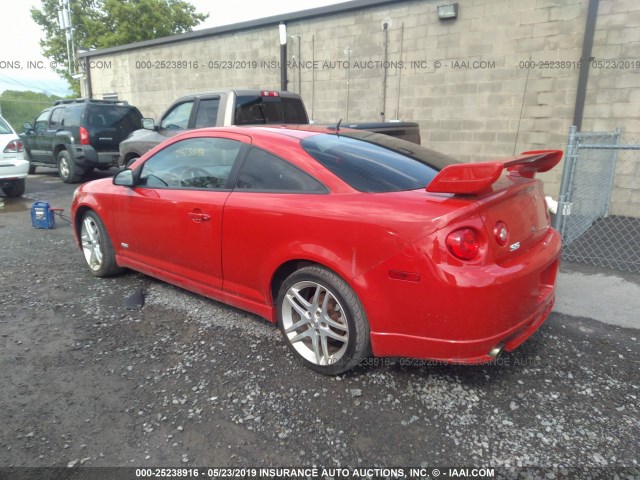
(237, 107)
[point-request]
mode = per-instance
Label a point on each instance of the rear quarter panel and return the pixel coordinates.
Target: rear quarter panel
(347, 233)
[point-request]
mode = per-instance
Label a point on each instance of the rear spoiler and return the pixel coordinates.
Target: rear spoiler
(472, 178)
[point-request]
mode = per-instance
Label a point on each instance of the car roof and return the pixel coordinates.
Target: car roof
(246, 92)
(294, 132)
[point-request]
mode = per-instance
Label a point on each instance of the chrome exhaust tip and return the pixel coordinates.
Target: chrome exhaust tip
(497, 350)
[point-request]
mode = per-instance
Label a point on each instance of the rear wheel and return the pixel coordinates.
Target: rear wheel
(16, 189)
(97, 247)
(67, 169)
(322, 320)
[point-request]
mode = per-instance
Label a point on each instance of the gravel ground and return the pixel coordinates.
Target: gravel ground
(188, 381)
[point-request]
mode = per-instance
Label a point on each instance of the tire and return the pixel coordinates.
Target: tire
(67, 169)
(333, 336)
(16, 189)
(97, 247)
(32, 167)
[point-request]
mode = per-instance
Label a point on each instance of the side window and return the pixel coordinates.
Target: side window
(40, 125)
(178, 117)
(265, 172)
(207, 115)
(191, 163)
(72, 116)
(54, 121)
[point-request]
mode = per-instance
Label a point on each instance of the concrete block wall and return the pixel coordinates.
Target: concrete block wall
(491, 95)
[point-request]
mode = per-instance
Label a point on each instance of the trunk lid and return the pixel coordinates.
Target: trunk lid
(522, 208)
(515, 200)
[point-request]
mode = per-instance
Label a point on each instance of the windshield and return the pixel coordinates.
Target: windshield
(371, 162)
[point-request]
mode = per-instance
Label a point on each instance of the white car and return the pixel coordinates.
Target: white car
(13, 166)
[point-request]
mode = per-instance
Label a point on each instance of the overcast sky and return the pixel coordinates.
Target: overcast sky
(20, 36)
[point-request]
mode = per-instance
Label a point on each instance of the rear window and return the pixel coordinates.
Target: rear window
(258, 110)
(376, 163)
(125, 118)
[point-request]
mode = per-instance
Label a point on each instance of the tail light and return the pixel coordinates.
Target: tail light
(84, 136)
(501, 233)
(14, 146)
(464, 243)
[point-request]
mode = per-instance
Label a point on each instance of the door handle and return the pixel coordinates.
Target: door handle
(199, 217)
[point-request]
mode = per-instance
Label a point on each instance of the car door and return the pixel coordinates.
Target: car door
(177, 119)
(207, 112)
(34, 139)
(268, 208)
(46, 141)
(170, 223)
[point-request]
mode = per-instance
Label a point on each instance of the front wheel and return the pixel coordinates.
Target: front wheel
(322, 320)
(97, 247)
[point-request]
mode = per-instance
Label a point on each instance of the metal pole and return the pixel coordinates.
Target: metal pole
(400, 71)
(283, 67)
(385, 27)
(348, 52)
(87, 69)
(614, 159)
(300, 64)
(585, 63)
(567, 173)
(283, 57)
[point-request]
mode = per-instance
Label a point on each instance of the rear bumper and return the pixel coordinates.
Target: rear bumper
(460, 314)
(86, 156)
(460, 351)
(12, 169)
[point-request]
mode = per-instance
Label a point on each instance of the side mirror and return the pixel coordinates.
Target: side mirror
(27, 126)
(149, 124)
(124, 178)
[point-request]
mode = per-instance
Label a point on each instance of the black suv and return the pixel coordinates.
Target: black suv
(79, 135)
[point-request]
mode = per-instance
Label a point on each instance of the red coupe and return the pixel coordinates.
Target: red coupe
(355, 243)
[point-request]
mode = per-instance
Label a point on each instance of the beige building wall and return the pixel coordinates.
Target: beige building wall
(478, 86)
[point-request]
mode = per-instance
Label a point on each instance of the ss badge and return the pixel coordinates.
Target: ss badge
(514, 246)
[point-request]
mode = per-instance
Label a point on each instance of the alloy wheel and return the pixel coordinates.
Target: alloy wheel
(315, 323)
(91, 243)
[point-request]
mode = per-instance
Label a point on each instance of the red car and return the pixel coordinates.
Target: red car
(354, 243)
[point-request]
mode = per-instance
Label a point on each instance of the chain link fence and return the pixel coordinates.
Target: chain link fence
(599, 204)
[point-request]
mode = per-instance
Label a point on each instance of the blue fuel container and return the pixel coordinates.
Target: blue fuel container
(42, 215)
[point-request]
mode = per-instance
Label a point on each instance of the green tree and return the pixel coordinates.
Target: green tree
(110, 23)
(19, 107)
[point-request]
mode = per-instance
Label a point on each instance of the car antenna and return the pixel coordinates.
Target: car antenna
(338, 126)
